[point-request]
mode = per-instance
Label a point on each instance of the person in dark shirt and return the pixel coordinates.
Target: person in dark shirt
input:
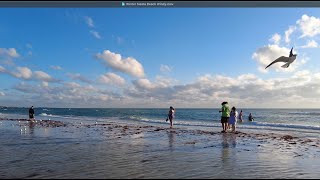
(31, 113)
(250, 118)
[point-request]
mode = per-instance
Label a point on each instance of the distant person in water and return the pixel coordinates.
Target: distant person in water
(240, 116)
(171, 116)
(250, 117)
(225, 116)
(31, 113)
(233, 118)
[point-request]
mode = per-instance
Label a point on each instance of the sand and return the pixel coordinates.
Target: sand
(56, 149)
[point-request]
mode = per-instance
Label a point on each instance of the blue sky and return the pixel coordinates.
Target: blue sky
(157, 57)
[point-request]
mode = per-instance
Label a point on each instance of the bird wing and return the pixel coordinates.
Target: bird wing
(291, 54)
(280, 59)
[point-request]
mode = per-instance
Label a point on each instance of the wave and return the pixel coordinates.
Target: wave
(278, 125)
(45, 114)
(250, 125)
(306, 113)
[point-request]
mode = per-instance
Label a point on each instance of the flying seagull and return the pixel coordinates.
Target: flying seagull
(287, 60)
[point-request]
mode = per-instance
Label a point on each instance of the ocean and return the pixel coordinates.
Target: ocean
(301, 121)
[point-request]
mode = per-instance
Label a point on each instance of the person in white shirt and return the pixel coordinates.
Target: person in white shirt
(233, 118)
(171, 116)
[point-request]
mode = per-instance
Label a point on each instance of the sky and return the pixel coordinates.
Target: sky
(159, 57)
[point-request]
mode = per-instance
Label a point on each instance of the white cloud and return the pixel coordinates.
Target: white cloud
(44, 84)
(2, 93)
(89, 21)
(95, 34)
(247, 90)
(111, 78)
(144, 84)
(26, 74)
(265, 55)
(159, 83)
(56, 67)
(275, 38)
(23, 72)
(10, 52)
(288, 33)
(309, 25)
(127, 65)
(42, 76)
(79, 77)
(310, 44)
(72, 85)
(165, 68)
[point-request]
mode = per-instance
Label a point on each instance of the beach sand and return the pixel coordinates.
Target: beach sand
(55, 149)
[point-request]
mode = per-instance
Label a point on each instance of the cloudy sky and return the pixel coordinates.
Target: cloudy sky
(139, 57)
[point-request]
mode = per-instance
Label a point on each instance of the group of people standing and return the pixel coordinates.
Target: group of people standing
(230, 117)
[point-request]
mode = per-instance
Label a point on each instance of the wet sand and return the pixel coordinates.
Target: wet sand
(55, 149)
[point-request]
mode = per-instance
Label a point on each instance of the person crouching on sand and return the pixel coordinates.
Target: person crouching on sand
(171, 116)
(233, 118)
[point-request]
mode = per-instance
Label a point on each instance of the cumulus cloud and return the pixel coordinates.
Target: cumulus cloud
(127, 65)
(9, 52)
(56, 67)
(26, 74)
(275, 38)
(79, 77)
(89, 21)
(165, 68)
(67, 94)
(95, 34)
(309, 25)
(22, 72)
(246, 90)
(111, 78)
(160, 82)
(310, 44)
(42, 76)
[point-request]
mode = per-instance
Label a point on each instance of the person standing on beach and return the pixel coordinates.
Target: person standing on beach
(171, 116)
(233, 118)
(31, 113)
(225, 116)
(240, 116)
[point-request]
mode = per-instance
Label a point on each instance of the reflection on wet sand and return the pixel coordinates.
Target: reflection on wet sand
(171, 137)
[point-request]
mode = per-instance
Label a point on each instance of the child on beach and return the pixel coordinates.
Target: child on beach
(225, 116)
(171, 116)
(233, 118)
